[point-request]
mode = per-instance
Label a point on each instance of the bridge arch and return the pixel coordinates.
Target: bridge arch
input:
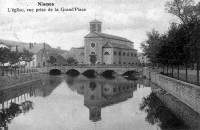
(90, 73)
(130, 74)
(55, 72)
(109, 74)
(72, 72)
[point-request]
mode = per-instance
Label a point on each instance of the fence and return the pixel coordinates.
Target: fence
(190, 77)
(6, 71)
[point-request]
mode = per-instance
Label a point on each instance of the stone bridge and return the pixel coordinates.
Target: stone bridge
(98, 69)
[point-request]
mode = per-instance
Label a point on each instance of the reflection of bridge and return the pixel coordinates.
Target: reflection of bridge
(97, 68)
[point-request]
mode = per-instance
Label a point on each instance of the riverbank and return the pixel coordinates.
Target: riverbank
(15, 80)
(188, 93)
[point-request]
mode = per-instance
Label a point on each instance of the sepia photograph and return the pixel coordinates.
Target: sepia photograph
(99, 65)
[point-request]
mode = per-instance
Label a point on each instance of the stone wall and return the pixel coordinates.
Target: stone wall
(14, 80)
(185, 92)
(184, 112)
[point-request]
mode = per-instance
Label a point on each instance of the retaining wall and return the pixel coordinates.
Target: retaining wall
(185, 92)
(14, 80)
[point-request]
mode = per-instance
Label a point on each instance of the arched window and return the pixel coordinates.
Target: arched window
(124, 53)
(92, 53)
(106, 53)
(132, 54)
(92, 45)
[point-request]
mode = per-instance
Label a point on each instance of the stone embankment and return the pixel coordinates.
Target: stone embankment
(185, 92)
(15, 80)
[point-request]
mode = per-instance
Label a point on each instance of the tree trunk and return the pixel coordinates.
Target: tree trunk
(178, 71)
(3, 69)
(198, 71)
(186, 72)
(163, 69)
(167, 70)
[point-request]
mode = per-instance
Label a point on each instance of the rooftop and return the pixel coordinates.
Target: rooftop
(95, 21)
(116, 45)
(95, 34)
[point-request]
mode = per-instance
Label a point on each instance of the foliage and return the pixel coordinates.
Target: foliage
(180, 44)
(156, 113)
(152, 46)
(4, 55)
(71, 61)
(14, 57)
(52, 60)
(27, 56)
(93, 59)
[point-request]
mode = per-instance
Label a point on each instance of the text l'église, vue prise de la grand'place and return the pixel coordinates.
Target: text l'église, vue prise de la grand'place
(42, 9)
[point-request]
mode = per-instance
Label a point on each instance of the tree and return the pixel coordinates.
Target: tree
(152, 46)
(52, 60)
(189, 14)
(14, 57)
(185, 10)
(4, 57)
(27, 56)
(71, 61)
(93, 59)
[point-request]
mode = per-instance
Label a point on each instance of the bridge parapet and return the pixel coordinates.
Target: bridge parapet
(97, 68)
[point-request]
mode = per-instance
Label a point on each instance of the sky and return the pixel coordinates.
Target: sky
(125, 18)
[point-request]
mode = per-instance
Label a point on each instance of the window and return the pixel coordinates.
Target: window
(92, 97)
(132, 54)
(127, 54)
(113, 62)
(119, 62)
(119, 53)
(124, 62)
(115, 53)
(92, 53)
(92, 45)
(124, 53)
(114, 89)
(106, 53)
(135, 55)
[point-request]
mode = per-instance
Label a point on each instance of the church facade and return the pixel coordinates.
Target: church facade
(109, 49)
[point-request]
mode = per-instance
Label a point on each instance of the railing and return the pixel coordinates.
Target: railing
(7, 71)
(99, 66)
(179, 75)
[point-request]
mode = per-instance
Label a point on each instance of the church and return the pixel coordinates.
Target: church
(109, 49)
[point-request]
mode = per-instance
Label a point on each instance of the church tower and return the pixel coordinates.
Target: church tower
(95, 26)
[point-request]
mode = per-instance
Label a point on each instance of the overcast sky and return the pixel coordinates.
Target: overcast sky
(127, 18)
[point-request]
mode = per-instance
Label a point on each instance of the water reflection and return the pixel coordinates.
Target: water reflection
(189, 117)
(167, 111)
(97, 103)
(99, 94)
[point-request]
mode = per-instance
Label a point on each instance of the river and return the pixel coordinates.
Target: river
(81, 103)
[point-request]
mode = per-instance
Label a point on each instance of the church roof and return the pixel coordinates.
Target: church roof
(116, 45)
(95, 34)
(95, 21)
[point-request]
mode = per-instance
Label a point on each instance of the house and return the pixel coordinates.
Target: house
(144, 60)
